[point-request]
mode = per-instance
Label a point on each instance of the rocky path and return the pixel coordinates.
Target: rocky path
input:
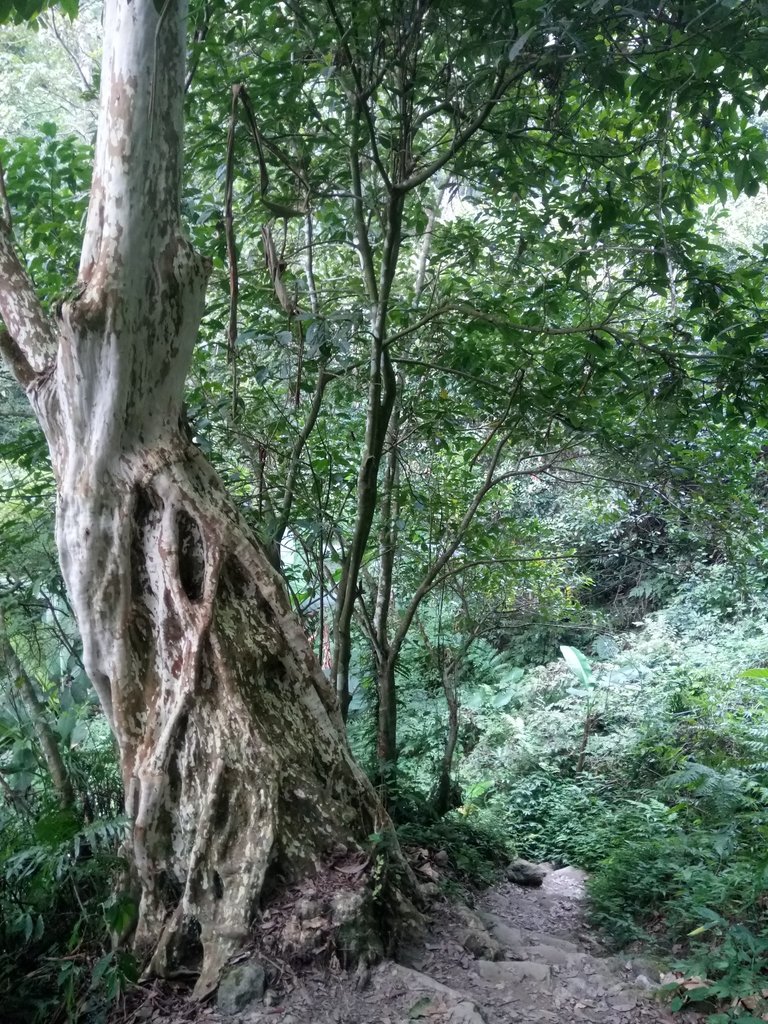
(542, 963)
(521, 956)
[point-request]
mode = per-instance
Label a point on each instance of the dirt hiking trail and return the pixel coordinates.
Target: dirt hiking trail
(521, 956)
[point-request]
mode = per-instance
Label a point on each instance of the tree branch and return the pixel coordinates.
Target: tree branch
(277, 209)
(29, 346)
(70, 53)
(293, 467)
(430, 578)
(201, 31)
(361, 96)
(460, 139)
(364, 245)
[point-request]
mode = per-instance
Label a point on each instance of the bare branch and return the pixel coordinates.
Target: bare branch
(70, 53)
(491, 480)
(497, 320)
(457, 570)
(363, 240)
(201, 31)
(503, 82)
(360, 97)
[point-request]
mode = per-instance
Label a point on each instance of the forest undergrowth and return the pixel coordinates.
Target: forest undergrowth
(641, 755)
(629, 738)
(643, 760)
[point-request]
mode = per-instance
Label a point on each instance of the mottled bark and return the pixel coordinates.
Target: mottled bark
(232, 757)
(236, 772)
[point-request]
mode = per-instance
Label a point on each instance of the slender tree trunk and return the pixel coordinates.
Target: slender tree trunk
(237, 775)
(425, 247)
(386, 737)
(396, 182)
(386, 741)
(449, 663)
(441, 800)
(37, 714)
(381, 398)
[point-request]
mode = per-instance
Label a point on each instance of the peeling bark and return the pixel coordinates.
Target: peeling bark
(237, 774)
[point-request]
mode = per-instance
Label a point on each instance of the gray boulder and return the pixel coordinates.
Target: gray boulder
(240, 987)
(475, 937)
(523, 872)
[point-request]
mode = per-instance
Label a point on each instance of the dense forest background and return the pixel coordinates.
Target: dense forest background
(524, 530)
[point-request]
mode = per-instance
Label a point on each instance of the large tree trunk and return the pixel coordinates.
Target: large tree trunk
(236, 772)
(231, 749)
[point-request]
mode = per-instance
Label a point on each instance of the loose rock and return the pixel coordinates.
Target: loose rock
(475, 937)
(512, 972)
(481, 945)
(240, 987)
(465, 1013)
(524, 872)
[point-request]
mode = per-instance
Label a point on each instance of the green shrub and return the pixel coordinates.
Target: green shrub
(476, 849)
(57, 874)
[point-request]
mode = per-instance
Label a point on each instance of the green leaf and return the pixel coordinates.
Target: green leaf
(578, 664)
(502, 699)
(120, 912)
(698, 995)
(475, 699)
